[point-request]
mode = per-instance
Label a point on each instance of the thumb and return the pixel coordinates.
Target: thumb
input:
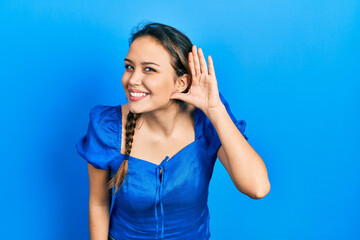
(181, 96)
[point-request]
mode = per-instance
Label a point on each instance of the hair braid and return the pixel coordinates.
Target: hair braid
(119, 177)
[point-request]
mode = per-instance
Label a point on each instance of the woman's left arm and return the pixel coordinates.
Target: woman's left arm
(245, 167)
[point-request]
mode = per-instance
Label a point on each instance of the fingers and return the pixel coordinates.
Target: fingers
(211, 66)
(203, 65)
(191, 64)
(196, 61)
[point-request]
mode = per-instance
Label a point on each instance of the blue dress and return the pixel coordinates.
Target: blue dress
(147, 206)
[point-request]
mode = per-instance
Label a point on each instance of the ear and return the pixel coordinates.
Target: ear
(182, 82)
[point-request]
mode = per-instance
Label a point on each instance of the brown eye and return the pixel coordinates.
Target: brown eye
(127, 66)
(150, 69)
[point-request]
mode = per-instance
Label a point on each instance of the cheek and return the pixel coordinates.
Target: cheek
(162, 85)
(124, 81)
(162, 89)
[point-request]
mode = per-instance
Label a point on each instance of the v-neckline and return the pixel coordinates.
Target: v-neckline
(167, 158)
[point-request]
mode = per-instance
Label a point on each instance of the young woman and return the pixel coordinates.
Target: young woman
(175, 125)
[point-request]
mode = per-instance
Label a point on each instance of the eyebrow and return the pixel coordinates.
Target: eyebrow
(143, 63)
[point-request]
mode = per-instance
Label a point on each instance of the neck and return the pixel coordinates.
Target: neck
(163, 122)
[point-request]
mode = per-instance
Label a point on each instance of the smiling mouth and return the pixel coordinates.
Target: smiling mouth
(134, 96)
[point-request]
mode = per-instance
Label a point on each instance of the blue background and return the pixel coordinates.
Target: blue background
(289, 68)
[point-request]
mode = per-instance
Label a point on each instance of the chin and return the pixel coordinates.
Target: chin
(136, 109)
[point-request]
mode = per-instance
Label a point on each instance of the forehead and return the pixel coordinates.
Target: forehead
(148, 49)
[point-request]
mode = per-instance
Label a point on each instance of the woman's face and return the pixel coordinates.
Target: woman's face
(149, 78)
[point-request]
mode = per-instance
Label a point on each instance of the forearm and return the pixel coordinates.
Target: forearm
(99, 222)
(246, 167)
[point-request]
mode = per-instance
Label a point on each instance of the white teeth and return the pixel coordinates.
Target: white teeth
(137, 94)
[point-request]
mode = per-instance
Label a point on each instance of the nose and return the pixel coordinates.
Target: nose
(135, 78)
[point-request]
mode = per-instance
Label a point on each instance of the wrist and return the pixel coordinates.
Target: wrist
(213, 112)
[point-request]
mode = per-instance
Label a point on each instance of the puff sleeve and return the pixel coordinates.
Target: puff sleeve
(209, 131)
(100, 145)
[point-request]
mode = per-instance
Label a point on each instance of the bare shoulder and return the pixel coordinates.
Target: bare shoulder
(125, 109)
(124, 112)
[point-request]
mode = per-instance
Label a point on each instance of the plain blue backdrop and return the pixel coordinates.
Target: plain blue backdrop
(289, 68)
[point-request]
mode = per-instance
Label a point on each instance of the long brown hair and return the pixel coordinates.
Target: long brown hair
(178, 45)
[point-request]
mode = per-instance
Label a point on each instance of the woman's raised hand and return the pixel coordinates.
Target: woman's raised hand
(203, 93)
